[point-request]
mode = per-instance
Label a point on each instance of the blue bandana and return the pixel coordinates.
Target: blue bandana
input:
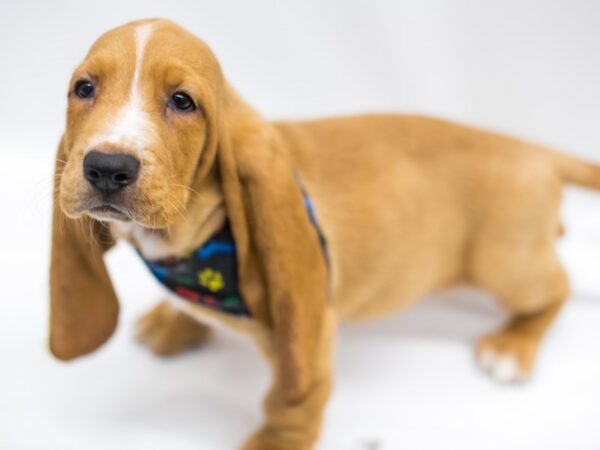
(209, 275)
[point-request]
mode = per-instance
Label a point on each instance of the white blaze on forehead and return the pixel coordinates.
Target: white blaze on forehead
(131, 126)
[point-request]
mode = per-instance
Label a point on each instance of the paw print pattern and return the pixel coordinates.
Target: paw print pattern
(211, 279)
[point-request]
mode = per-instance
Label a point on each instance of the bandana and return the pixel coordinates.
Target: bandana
(208, 275)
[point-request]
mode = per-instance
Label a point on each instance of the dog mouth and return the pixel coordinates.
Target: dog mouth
(108, 212)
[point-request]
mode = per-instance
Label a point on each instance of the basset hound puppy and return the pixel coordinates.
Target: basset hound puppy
(282, 229)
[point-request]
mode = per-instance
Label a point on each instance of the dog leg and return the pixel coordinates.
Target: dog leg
(168, 331)
(509, 354)
(295, 426)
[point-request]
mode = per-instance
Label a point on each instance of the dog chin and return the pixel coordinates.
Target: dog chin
(108, 213)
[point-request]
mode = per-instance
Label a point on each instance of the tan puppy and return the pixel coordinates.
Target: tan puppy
(408, 205)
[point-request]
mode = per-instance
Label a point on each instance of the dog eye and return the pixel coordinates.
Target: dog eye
(84, 89)
(180, 101)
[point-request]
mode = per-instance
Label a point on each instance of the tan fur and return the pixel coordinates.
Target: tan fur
(168, 331)
(409, 205)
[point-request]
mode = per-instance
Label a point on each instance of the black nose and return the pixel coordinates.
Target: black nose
(110, 172)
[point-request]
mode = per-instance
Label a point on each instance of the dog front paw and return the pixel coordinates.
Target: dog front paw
(509, 357)
(168, 331)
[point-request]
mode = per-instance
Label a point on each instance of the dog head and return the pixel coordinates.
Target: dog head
(150, 117)
(138, 123)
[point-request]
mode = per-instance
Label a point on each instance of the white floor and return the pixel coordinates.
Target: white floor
(407, 382)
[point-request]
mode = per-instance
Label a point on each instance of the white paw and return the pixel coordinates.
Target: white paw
(504, 368)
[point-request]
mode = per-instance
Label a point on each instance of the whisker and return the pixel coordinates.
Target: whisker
(185, 187)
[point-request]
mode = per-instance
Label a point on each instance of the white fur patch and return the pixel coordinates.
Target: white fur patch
(150, 245)
(131, 126)
(504, 368)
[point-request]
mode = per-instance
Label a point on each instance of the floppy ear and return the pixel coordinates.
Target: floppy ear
(83, 305)
(270, 221)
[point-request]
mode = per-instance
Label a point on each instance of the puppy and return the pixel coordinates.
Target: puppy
(280, 230)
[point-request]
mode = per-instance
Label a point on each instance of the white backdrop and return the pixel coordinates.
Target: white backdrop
(528, 68)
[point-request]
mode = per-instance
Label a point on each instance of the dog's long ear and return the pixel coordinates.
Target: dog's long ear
(270, 221)
(83, 305)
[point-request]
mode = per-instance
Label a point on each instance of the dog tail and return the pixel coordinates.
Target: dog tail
(576, 171)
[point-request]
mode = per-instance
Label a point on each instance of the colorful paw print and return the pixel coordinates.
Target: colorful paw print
(211, 279)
